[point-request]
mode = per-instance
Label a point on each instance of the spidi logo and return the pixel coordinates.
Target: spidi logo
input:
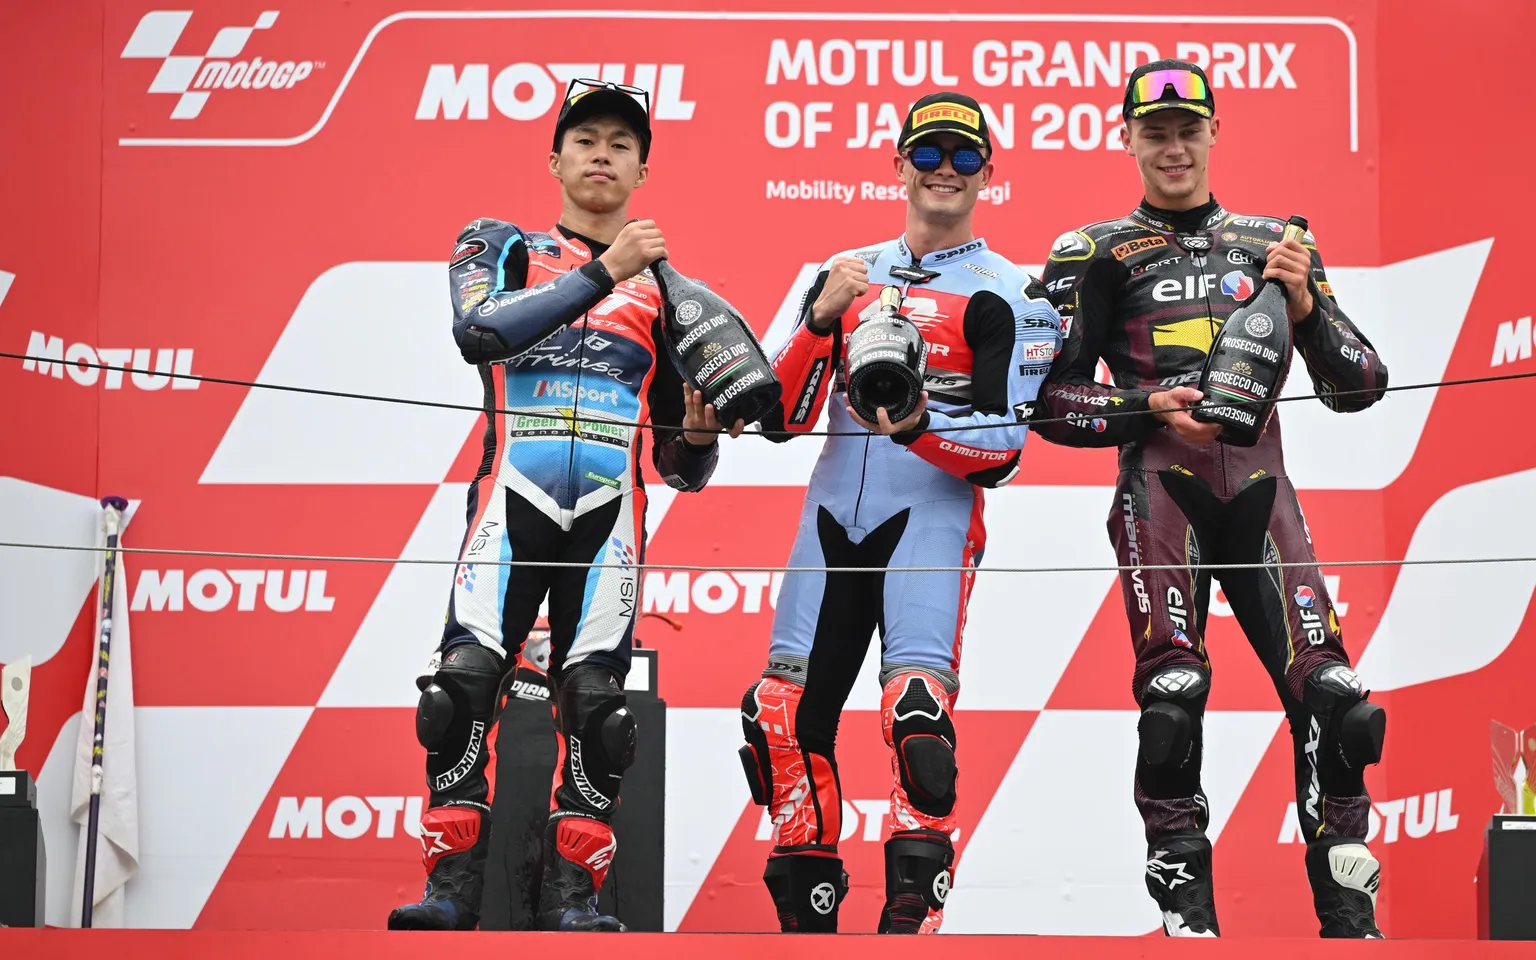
(193, 78)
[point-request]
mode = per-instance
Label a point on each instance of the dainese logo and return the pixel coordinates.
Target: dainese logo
(193, 78)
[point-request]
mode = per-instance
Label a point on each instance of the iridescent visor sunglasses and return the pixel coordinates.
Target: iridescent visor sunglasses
(966, 160)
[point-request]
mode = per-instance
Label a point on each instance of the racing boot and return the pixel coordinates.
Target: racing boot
(1179, 879)
(807, 891)
(454, 850)
(577, 853)
(1344, 878)
(919, 871)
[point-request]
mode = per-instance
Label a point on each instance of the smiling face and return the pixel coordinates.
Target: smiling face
(1172, 149)
(598, 164)
(942, 194)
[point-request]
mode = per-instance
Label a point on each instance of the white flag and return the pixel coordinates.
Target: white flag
(117, 842)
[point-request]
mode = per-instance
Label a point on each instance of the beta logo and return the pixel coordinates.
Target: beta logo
(1237, 285)
(193, 78)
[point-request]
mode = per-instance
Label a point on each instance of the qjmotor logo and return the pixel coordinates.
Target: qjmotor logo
(194, 77)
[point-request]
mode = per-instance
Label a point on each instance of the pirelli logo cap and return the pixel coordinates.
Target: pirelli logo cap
(945, 112)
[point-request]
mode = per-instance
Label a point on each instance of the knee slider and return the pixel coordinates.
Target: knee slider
(755, 763)
(461, 692)
(1163, 731)
(923, 737)
(1174, 700)
(1355, 727)
(594, 709)
(619, 736)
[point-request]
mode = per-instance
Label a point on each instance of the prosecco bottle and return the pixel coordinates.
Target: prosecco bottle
(1249, 360)
(714, 348)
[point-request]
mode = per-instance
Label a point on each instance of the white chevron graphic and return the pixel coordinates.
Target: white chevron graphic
(203, 774)
(391, 323)
(1441, 621)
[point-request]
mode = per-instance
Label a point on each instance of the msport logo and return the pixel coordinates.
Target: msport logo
(193, 77)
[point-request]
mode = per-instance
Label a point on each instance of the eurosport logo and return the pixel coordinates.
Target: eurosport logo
(193, 77)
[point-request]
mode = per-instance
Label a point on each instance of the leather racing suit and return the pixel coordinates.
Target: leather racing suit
(911, 499)
(555, 340)
(1140, 293)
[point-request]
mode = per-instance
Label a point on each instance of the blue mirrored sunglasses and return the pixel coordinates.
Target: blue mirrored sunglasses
(966, 160)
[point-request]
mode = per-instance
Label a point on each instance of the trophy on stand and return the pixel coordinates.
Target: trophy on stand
(23, 882)
(15, 687)
(1511, 749)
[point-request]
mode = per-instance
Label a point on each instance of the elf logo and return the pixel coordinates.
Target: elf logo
(1175, 289)
(193, 77)
(1311, 621)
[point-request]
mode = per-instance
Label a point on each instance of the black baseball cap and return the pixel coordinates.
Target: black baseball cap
(586, 98)
(945, 112)
(1168, 85)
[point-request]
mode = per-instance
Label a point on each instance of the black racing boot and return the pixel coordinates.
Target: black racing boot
(454, 851)
(577, 854)
(919, 871)
(1344, 877)
(807, 891)
(1179, 879)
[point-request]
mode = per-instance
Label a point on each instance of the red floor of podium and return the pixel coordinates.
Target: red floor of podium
(381, 945)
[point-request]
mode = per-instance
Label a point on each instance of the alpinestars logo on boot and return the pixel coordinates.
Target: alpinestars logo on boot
(1169, 875)
(193, 78)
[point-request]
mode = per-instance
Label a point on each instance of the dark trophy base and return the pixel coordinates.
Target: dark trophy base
(23, 861)
(1506, 879)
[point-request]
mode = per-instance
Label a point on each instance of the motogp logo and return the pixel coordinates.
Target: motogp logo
(192, 78)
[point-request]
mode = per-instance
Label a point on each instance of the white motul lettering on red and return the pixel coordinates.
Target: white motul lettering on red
(283, 591)
(528, 91)
(711, 592)
(346, 817)
(148, 368)
(1416, 817)
(872, 814)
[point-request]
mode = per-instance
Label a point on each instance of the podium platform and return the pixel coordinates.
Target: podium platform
(57, 944)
